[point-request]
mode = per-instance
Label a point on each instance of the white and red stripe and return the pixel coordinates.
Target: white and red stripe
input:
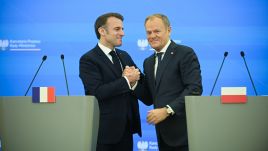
(233, 94)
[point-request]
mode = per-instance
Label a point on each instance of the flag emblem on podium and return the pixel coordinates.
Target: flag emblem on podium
(43, 95)
(233, 94)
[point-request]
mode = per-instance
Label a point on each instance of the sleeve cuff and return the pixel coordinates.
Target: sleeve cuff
(134, 86)
(127, 82)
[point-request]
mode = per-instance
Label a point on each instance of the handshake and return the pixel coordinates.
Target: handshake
(132, 74)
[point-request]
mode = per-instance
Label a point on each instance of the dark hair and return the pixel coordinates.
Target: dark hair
(101, 21)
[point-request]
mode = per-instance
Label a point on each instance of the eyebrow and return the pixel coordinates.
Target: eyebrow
(118, 27)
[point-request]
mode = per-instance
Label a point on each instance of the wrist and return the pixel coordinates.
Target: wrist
(132, 83)
(169, 111)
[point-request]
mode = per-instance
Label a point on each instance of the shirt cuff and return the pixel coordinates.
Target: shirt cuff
(127, 82)
(134, 86)
(172, 111)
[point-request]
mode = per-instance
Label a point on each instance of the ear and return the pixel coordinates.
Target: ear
(169, 29)
(101, 30)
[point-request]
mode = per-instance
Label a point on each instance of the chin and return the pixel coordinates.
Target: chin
(118, 45)
(154, 46)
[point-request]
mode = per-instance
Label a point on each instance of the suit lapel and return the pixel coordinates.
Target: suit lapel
(151, 78)
(165, 61)
(122, 59)
(107, 60)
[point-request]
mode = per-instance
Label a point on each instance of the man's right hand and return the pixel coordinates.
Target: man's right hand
(132, 74)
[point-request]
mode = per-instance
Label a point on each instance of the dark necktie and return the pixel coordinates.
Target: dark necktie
(159, 58)
(116, 61)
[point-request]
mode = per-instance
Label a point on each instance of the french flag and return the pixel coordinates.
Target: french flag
(43, 95)
(233, 94)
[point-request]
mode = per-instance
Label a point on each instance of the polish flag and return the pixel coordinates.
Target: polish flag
(43, 95)
(233, 94)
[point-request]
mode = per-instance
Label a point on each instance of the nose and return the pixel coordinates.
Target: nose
(151, 35)
(122, 33)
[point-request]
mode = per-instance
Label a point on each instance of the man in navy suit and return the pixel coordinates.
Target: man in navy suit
(172, 73)
(111, 75)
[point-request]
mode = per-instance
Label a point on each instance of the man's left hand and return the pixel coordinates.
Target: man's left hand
(156, 116)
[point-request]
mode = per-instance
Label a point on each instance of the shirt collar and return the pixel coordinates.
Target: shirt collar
(105, 49)
(164, 49)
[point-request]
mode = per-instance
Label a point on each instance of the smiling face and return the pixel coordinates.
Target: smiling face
(157, 33)
(111, 33)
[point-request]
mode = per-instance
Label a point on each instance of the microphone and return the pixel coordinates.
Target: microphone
(62, 58)
(225, 55)
(243, 56)
(43, 59)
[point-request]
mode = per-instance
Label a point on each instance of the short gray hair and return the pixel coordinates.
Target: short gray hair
(163, 17)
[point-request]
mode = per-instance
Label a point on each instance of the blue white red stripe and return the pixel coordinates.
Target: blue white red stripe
(43, 95)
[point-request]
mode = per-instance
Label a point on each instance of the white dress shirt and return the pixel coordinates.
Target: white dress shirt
(107, 51)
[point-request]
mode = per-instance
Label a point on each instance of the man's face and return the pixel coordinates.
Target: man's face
(112, 33)
(157, 33)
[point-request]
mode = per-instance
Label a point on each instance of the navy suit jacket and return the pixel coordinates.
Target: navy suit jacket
(179, 75)
(117, 103)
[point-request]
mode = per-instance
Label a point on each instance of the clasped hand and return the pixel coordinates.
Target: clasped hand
(132, 74)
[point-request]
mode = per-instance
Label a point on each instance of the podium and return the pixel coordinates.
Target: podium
(213, 126)
(70, 124)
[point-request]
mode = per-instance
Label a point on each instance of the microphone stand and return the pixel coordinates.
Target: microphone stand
(62, 58)
(43, 59)
(243, 56)
(225, 55)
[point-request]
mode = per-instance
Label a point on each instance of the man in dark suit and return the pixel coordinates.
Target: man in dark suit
(172, 73)
(111, 75)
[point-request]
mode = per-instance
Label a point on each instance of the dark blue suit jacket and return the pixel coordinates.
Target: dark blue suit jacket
(179, 75)
(117, 103)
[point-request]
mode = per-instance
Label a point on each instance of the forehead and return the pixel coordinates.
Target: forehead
(114, 22)
(154, 23)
